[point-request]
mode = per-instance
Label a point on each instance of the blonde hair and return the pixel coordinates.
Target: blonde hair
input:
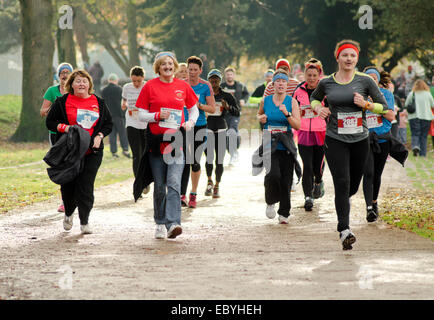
(159, 61)
(420, 85)
(280, 70)
(78, 73)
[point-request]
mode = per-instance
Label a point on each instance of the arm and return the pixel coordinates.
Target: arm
(209, 106)
(315, 101)
(54, 120)
(379, 104)
(232, 105)
(261, 116)
(294, 119)
(244, 94)
(45, 108)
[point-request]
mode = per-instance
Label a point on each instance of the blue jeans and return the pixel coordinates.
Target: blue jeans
(419, 132)
(167, 189)
(402, 135)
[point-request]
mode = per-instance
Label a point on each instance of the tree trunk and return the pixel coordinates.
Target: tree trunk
(133, 48)
(66, 47)
(80, 23)
(38, 48)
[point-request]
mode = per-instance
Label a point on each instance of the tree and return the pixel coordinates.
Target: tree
(10, 26)
(38, 48)
(66, 49)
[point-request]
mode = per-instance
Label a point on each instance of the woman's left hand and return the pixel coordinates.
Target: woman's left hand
(97, 142)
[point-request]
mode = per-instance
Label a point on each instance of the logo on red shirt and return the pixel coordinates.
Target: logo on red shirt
(179, 95)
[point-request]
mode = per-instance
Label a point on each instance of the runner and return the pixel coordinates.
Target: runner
(241, 95)
(311, 136)
(346, 142)
(292, 85)
(206, 103)
(257, 95)
(217, 126)
(182, 72)
(279, 113)
(80, 107)
(161, 103)
(63, 71)
(136, 129)
(379, 148)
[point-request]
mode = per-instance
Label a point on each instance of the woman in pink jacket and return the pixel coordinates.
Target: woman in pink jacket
(311, 135)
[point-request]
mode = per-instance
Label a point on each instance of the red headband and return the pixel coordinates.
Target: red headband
(346, 46)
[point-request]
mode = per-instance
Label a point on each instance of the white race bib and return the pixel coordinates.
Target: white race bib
(174, 120)
(350, 122)
(374, 120)
(86, 118)
(307, 112)
(218, 110)
(275, 129)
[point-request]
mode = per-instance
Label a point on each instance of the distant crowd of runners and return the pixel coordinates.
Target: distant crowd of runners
(345, 118)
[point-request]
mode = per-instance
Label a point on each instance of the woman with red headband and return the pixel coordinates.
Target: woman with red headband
(311, 135)
(346, 142)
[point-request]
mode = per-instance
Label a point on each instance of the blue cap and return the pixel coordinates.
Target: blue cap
(215, 72)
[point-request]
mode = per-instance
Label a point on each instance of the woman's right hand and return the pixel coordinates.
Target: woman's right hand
(262, 118)
(324, 112)
(164, 114)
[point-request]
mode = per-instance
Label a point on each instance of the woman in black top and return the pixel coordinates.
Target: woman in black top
(216, 137)
(346, 143)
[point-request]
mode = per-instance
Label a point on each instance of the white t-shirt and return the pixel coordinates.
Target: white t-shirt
(131, 93)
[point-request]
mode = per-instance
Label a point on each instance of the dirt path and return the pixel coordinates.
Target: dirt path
(229, 250)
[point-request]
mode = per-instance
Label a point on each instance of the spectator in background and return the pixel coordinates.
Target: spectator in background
(96, 72)
(398, 110)
(410, 77)
(241, 95)
(420, 120)
(400, 85)
(182, 72)
(112, 94)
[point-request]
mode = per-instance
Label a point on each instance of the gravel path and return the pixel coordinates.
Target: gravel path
(229, 249)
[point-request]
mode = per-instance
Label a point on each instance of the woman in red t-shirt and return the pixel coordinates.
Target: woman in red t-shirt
(82, 108)
(161, 103)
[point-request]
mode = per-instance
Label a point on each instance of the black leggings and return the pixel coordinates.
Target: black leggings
(216, 142)
(192, 150)
(347, 163)
(373, 171)
(313, 166)
(137, 141)
(278, 180)
(79, 192)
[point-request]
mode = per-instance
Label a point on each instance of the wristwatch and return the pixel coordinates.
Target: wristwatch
(289, 115)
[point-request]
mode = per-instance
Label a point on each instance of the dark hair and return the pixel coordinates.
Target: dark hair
(371, 67)
(137, 71)
(385, 79)
(195, 60)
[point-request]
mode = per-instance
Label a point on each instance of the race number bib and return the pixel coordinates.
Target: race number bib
(86, 118)
(174, 120)
(218, 110)
(374, 121)
(350, 122)
(307, 112)
(275, 129)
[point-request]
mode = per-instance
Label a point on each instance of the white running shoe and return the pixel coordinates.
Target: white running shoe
(85, 229)
(270, 212)
(67, 222)
(283, 220)
(174, 231)
(160, 231)
(347, 239)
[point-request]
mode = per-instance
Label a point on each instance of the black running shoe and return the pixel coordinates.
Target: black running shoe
(318, 190)
(308, 204)
(348, 239)
(375, 207)
(371, 215)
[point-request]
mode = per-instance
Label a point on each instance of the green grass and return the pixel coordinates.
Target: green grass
(10, 108)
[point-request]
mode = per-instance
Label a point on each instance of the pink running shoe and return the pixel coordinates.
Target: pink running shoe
(184, 201)
(61, 208)
(192, 202)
